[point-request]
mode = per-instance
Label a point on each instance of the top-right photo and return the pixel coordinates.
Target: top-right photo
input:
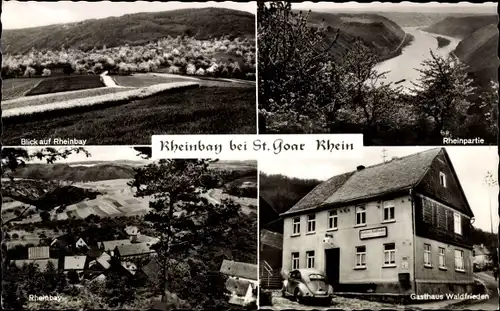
(400, 73)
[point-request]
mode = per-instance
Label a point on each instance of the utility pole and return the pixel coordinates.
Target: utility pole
(491, 183)
(384, 154)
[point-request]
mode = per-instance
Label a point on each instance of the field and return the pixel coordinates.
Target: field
(222, 110)
(117, 199)
(64, 84)
(55, 98)
(141, 80)
(13, 88)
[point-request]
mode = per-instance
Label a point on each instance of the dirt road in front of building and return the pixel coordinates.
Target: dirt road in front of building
(492, 302)
(281, 303)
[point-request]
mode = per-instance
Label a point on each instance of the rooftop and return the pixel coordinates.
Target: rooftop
(133, 249)
(41, 252)
(272, 239)
(74, 262)
(239, 269)
(368, 182)
(110, 245)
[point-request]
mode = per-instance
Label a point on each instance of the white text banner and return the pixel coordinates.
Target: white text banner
(245, 147)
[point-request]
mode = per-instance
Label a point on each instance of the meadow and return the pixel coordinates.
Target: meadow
(218, 110)
(65, 84)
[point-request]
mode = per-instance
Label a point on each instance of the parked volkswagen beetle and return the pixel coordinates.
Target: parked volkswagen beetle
(307, 284)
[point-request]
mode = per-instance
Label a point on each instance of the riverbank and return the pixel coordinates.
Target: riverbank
(407, 40)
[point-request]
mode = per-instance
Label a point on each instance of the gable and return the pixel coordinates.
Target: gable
(452, 195)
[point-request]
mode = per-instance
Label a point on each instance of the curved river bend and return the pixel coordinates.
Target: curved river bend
(404, 66)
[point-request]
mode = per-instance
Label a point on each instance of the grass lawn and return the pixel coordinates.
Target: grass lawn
(68, 83)
(203, 110)
(54, 98)
(141, 80)
(13, 88)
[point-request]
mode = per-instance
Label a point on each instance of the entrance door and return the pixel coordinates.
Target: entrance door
(332, 269)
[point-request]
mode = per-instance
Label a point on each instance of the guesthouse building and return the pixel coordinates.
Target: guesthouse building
(402, 226)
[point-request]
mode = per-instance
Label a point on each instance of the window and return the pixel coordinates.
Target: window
(390, 254)
(360, 257)
(360, 215)
(457, 224)
(427, 255)
(442, 179)
(388, 210)
(295, 260)
(459, 260)
(296, 225)
(332, 220)
(442, 258)
(310, 259)
(311, 223)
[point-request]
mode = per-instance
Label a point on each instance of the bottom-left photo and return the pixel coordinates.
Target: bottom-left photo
(110, 228)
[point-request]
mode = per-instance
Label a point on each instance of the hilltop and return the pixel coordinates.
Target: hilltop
(101, 170)
(479, 50)
(132, 29)
(462, 27)
(420, 19)
(378, 33)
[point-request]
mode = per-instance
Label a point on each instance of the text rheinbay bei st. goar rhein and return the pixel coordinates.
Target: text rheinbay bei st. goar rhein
(253, 146)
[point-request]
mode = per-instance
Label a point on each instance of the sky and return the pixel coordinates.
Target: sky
(471, 165)
(17, 15)
(487, 7)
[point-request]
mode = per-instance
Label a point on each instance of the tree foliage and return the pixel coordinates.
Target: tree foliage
(195, 234)
(442, 92)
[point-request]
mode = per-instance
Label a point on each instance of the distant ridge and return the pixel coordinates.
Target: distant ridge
(133, 29)
(378, 33)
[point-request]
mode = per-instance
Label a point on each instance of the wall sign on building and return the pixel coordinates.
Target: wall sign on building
(373, 233)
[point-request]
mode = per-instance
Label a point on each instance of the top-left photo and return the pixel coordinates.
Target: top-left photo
(116, 73)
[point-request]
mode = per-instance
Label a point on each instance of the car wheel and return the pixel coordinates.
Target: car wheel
(298, 296)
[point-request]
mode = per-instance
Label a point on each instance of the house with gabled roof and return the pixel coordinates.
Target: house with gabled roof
(76, 263)
(111, 245)
(240, 270)
(402, 226)
(133, 250)
(241, 282)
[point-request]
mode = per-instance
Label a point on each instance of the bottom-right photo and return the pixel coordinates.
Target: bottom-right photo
(394, 228)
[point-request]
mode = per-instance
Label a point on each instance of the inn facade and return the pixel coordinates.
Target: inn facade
(397, 227)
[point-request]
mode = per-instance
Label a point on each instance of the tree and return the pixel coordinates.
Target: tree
(489, 104)
(29, 72)
(442, 93)
(188, 226)
(46, 72)
(293, 60)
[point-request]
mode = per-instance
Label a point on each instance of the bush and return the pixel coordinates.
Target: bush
(46, 72)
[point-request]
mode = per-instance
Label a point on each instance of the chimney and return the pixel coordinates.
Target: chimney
(360, 168)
